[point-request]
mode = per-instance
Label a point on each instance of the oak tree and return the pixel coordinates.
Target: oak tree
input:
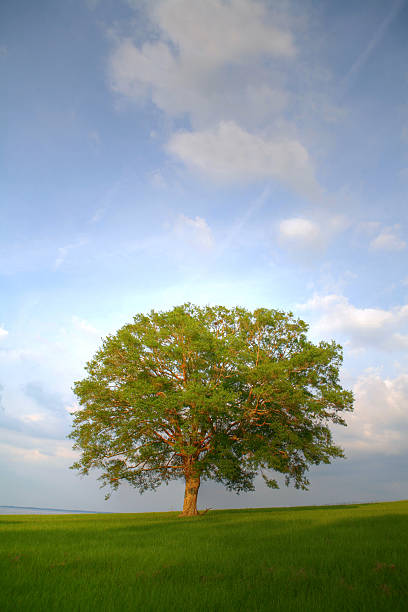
(209, 393)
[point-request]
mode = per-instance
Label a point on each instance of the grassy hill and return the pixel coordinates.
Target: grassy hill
(352, 558)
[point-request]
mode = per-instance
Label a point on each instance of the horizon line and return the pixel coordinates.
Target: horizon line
(57, 509)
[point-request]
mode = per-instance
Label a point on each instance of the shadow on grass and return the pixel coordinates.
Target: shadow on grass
(292, 508)
(246, 559)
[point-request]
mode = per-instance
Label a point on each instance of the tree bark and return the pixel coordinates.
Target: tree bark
(190, 495)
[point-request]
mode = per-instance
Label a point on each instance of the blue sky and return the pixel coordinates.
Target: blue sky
(234, 152)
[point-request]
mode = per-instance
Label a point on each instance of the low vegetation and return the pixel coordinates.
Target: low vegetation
(318, 558)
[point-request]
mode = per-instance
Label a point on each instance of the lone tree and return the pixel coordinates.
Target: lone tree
(209, 393)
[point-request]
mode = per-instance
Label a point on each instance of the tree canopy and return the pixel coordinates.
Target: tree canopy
(209, 393)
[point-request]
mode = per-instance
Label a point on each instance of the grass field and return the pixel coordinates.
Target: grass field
(320, 558)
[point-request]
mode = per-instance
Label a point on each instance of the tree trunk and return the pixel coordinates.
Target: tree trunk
(190, 496)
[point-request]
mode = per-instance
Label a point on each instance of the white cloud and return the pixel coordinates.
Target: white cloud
(362, 327)
(188, 70)
(300, 232)
(230, 153)
(305, 239)
(83, 325)
(379, 422)
(3, 332)
(388, 240)
(195, 231)
(213, 30)
(225, 67)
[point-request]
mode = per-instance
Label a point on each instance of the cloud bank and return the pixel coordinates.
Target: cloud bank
(363, 327)
(379, 423)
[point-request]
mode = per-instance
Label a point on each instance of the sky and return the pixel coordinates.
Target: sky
(234, 152)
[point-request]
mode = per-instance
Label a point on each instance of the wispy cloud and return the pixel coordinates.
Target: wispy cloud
(388, 240)
(111, 195)
(383, 238)
(371, 46)
(196, 231)
(242, 221)
(64, 251)
(94, 137)
(85, 326)
(157, 179)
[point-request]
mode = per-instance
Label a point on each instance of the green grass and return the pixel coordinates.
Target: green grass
(305, 559)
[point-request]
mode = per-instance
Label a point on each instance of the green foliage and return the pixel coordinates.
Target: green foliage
(216, 392)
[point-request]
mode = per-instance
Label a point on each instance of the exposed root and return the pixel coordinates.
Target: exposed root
(204, 511)
(197, 514)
